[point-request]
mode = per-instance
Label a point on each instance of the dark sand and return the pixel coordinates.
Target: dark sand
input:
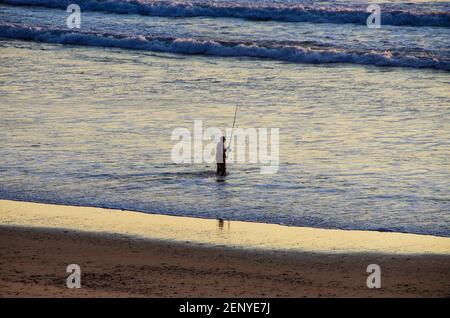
(33, 264)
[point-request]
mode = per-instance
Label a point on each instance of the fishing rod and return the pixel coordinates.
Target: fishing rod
(232, 129)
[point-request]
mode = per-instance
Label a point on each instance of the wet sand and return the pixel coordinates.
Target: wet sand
(131, 259)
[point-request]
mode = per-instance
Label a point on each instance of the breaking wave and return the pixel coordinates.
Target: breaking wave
(290, 52)
(330, 13)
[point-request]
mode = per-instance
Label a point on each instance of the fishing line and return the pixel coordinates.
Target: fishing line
(232, 129)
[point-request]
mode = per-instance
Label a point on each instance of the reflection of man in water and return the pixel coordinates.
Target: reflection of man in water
(221, 157)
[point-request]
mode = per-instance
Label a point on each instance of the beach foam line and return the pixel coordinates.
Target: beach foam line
(199, 231)
(329, 13)
(298, 53)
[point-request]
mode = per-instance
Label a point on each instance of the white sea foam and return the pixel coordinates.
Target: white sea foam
(268, 50)
(323, 13)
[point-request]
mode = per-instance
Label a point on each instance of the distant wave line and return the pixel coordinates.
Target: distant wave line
(336, 14)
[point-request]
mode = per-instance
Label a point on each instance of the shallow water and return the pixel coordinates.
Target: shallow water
(361, 146)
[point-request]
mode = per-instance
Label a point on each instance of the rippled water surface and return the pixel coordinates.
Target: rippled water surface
(362, 146)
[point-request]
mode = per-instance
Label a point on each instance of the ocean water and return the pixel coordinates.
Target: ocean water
(86, 115)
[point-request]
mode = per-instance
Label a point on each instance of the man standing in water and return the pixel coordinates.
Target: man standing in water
(221, 157)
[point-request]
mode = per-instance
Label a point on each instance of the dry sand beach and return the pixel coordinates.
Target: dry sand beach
(332, 118)
(127, 254)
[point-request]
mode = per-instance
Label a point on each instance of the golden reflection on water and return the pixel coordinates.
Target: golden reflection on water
(354, 141)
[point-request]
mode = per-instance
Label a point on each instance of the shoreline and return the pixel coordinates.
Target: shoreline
(213, 232)
(144, 255)
(379, 230)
